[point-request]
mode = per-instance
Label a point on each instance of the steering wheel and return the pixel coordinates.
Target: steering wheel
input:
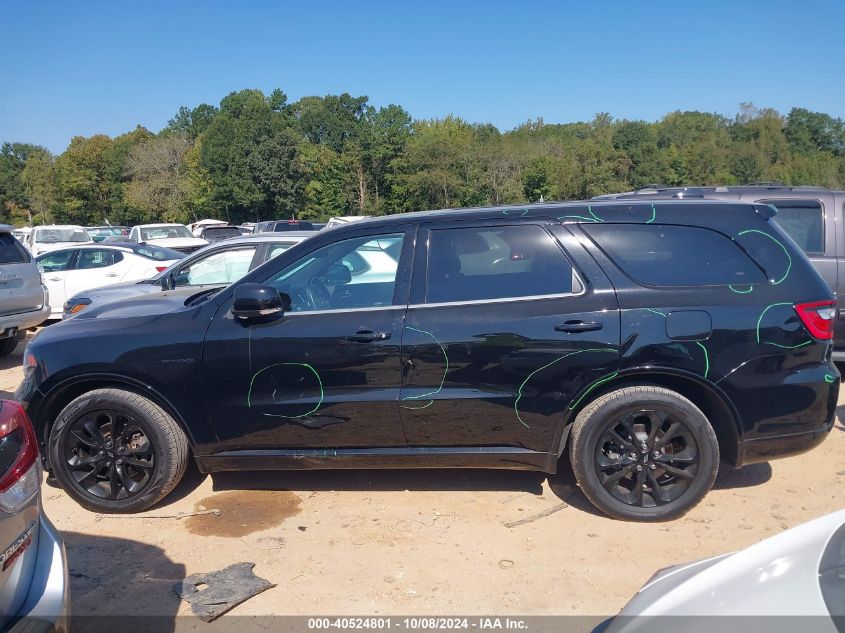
(318, 295)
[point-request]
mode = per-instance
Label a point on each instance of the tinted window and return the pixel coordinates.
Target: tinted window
(11, 252)
(354, 273)
(803, 220)
(495, 263)
(221, 233)
(55, 261)
(222, 267)
(90, 258)
(158, 253)
(660, 255)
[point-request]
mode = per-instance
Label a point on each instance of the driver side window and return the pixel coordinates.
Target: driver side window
(349, 274)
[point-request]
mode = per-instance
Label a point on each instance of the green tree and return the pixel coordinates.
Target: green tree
(40, 184)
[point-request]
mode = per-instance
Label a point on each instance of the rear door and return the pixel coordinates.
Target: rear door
(502, 335)
(20, 283)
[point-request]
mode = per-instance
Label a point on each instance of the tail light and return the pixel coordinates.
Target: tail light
(161, 269)
(19, 473)
(818, 317)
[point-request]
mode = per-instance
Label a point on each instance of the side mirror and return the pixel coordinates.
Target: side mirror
(256, 301)
(167, 282)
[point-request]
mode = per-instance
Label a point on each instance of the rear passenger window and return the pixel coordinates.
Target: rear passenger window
(495, 263)
(11, 252)
(658, 255)
(803, 220)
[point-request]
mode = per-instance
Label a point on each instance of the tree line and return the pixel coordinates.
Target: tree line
(256, 157)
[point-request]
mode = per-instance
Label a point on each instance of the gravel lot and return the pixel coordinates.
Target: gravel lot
(418, 542)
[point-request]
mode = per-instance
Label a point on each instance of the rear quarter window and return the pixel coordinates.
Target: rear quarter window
(671, 255)
(11, 251)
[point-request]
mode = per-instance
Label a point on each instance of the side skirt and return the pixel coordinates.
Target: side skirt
(504, 457)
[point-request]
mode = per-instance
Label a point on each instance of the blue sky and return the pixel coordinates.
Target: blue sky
(71, 68)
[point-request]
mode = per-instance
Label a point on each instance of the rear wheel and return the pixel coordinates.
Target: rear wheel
(644, 453)
(115, 451)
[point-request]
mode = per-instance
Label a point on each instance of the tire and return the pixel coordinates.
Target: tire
(145, 463)
(8, 345)
(621, 465)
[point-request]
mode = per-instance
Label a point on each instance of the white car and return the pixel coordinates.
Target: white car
(799, 572)
(43, 239)
(69, 271)
(175, 236)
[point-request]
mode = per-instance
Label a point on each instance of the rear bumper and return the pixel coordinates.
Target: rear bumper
(24, 320)
(765, 449)
(47, 606)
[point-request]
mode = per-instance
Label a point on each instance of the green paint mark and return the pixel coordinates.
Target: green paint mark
(766, 309)
(783, 248)
(425, 406)
(829, 378)
(546, 366)
(595, 384)
(788, 346)
(653, 214)
(663, 314)
(592, 213)
(741, 292)
(440, 388)
(577, 217)
(706, 358)
(303, 415)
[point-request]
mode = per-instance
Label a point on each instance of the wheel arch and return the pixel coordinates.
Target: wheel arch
(707, 396)
(65, 392)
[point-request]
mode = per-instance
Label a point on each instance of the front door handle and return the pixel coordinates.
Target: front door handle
(368, 336)
(111, 274)
(574, 327)
(54, 278)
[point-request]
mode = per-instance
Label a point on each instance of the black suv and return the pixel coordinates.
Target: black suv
(649, 341)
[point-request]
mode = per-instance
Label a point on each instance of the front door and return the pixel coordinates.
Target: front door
(325, 375)
(55, 267)
(501, 336)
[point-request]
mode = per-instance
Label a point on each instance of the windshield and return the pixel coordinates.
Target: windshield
(56, 236)
(165, 232)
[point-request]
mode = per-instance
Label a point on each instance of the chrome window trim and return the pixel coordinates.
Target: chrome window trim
(345, 310)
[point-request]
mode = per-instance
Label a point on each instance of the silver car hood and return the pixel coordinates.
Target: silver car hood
(775, 577)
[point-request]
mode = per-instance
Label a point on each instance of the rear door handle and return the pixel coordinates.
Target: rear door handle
(578, 326)
(111, 274)
(368, 336)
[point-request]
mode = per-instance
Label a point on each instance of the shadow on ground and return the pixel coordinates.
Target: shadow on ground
(118, 584)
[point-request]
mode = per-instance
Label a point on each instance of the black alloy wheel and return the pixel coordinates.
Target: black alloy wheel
(646, 458)
(116, 451)
(109, 454)
(643, 453)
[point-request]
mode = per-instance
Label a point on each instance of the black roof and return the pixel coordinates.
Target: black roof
(616, 210)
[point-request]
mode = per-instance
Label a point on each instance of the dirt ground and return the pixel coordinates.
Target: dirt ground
(419, 542)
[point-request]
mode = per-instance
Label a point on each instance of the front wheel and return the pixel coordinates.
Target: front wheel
(8, 345)
(644, 453)
(115, 451)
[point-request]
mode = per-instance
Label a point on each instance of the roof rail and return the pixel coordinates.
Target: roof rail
(765, 183)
